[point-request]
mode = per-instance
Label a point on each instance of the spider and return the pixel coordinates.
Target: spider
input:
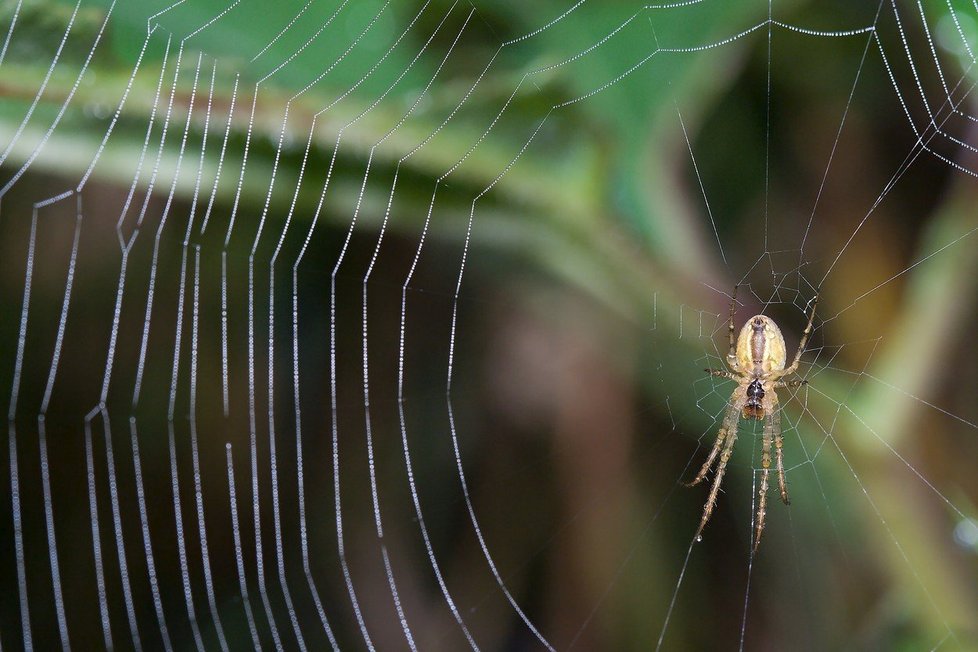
(756, 360)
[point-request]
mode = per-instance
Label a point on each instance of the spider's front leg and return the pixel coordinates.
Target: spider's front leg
(734, 367)
(722, 373)
(793, 367)
(732, 351)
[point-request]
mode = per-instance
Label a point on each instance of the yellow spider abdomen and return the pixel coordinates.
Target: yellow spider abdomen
(760, 347)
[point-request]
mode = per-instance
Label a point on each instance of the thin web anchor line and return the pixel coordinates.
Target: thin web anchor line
(699, 180)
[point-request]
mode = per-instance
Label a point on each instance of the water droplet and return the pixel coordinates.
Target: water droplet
(966, 534)
(699, 537)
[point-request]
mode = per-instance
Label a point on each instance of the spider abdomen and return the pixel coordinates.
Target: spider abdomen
(760, 346)
(754, 407)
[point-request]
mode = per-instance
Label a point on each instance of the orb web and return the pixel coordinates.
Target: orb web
(382, 325)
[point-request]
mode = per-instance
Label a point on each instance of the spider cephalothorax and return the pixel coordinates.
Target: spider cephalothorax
(754, 408)
(756, 359)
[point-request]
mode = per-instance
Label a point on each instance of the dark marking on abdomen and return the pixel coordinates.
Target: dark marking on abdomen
(754, 409)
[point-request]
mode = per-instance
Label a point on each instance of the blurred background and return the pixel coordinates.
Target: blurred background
(383, 325)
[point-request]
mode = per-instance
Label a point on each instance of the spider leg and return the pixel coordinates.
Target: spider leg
(729, 428)
(779, 461)
(803, 342)
(762, 492)
(732, 351)
(772, 431)
(711, 501)
(774, 423)
(723, 373)
(709, 460)
(798, 382)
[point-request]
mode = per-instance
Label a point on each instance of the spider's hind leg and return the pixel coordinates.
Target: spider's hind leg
(725, 440)
(772, 434)
(762, 493)
(779, 455)
(709, 460)
(773, 426)
(711, 501)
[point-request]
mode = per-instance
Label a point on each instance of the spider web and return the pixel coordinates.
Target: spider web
(381, 325)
